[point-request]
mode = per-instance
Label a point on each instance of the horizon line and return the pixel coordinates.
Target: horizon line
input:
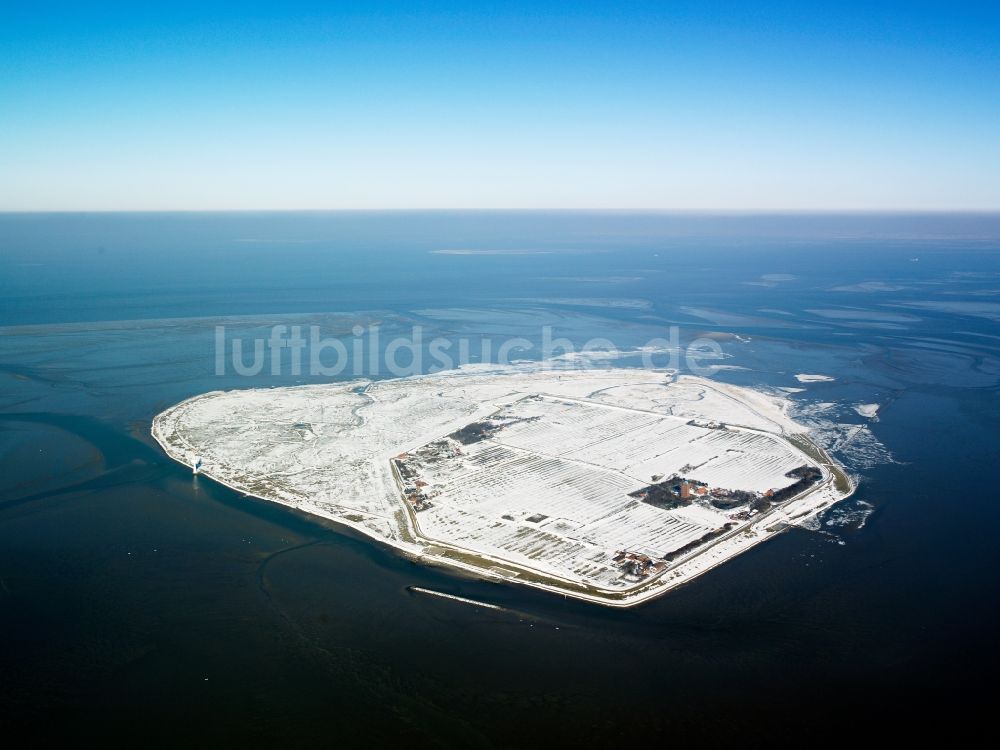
(676, 211)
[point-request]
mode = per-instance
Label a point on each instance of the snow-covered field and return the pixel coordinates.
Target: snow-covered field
(544, 499)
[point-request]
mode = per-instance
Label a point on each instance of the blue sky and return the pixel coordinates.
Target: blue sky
(664, 105)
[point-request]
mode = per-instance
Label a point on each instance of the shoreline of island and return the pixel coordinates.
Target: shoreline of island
(834, 486)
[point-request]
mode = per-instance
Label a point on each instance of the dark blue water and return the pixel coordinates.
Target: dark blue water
(140, 603)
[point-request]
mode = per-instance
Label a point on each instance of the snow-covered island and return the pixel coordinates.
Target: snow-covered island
(612, 485)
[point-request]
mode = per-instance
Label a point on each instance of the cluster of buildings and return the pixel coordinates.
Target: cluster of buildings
(673, 492)
(688, 489)
(636, 565)
(414, 488)
(406, 466)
